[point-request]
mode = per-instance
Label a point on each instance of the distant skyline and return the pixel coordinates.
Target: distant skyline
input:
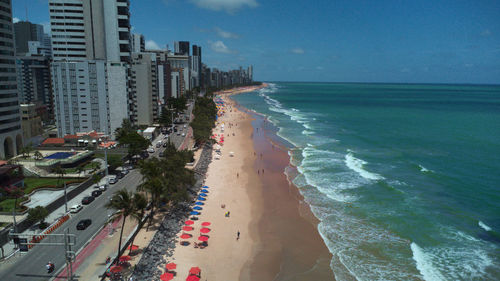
(323, 40)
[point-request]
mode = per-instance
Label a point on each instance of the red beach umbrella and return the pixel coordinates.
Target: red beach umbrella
(189, 222)
(133, 247)
(186, 236)
(171, 266)
(125, 258)
(203, 238)
(167, 276)
(187, 228)
(205, 230)
(205, 223)
(115, 269)
(195, 270)
(193, 278)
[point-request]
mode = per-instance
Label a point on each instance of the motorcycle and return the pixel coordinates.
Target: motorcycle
(50, 267)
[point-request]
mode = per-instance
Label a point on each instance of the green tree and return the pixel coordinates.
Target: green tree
(38, 155)
(140, 204)
(38, 214)
(178, 104)
(61, 172)
(165, 118)
(123, 202)
(124, 130)
(135, 142)
(80, 169)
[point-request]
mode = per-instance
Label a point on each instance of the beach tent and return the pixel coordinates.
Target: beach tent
(125, 258)
(187, 228)
(206, 186)
(201, 198)
(193, 278)
(167, 276)
(203, 194)
(195, 271)
(189, 222)
(186, 236)
(170, 266)
(204, 191)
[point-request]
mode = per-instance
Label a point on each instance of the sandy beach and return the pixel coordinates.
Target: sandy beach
(278, 237)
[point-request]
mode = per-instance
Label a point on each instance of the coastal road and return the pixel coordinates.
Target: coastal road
(31, 266)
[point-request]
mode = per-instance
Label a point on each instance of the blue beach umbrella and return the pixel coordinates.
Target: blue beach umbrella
(199, 203)
(203, 194)
(204, 191)
(197, 208)
(201, 198)
(194, 213)
(205, 186)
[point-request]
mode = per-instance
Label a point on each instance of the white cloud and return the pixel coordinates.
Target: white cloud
(229, 6)
(152, 45)
(14, 20)
(298, 51)
(486, 33)
(219, 47)
(225, 34)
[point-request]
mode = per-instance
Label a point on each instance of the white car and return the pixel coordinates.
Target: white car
(113, 180)
(183, 134)
(75, 208)
(151, 150)
(185, 126)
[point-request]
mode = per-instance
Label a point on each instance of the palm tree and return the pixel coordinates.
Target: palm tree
(123, 202)
(61, 172)
(140, 204)
(80, 169)
(38, 155)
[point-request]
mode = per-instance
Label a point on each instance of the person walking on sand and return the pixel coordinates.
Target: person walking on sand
(238, 235)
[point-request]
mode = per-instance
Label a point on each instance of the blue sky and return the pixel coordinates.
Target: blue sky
(326, 40)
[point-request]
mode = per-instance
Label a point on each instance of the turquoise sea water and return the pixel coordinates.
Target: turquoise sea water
(405, 179)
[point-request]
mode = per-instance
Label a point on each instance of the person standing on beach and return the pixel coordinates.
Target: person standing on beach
(238, 235)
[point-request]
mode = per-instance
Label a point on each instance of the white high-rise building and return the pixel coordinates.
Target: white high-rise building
(91, 37)
(11, 136)
(144, 88)
(138, 43)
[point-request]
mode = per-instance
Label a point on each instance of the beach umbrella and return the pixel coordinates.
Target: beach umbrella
(201, 198)
(187, 228)
(194, 213)
(203, 238)
(189, 222)
(133, 247)
(171, 266)
(205, 230)
(205, 223)
(167, 276)
(203, 194)
(193, 278)
(204, 191)
(125, 258)
(197, 208)
(199, 203)
(195, 270)
(205, 186)
(186, 236)
(115, 269)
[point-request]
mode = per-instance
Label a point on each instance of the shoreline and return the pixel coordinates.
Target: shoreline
(289, 243)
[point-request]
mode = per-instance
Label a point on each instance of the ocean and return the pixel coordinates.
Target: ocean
(404, 178)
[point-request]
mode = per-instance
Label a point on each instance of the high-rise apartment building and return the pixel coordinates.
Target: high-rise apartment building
(96, 29)
(91, 47)
(144, 88)
(138, 43)
(11, 139)
(181, 48)
(25, 32)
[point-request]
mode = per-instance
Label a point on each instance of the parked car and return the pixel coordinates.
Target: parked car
(75, 208)
(183, 134)
(165, 144)
(158, 144)
(96, 193)
(103, 187)
(124, 171)
(185, 125)
(178, 133)
(83, 224)
(87, 200)
(113, 180)
(162, 154)
(151, 150)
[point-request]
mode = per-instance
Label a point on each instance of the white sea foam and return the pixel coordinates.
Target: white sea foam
(356, 165)
(484, 226)
(423, 169)
(424, 264)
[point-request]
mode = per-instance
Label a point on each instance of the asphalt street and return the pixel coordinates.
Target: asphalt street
(30, 266)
